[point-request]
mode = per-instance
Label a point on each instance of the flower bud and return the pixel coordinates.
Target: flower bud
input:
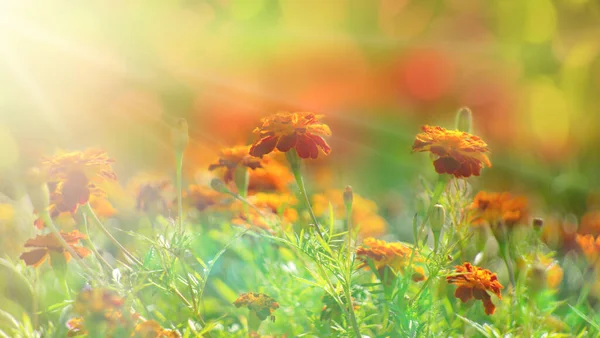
(348, 197)
(437, 218)
(37, 189)
(464, 119)
(219, 186)
(538, 223)
(180, 134)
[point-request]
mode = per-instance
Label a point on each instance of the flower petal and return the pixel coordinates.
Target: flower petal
(464, 293)
(263, 146)
(286, 142)
(35, 258)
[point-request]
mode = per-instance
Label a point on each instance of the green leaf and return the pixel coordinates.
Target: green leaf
(592, 323)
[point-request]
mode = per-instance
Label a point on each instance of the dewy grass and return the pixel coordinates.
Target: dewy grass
(245, 257)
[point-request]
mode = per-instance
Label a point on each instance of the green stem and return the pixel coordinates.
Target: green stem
(178, 182)
(437, 194)
(294, 161)
(93, 246)
(189, 282)
(88, 210)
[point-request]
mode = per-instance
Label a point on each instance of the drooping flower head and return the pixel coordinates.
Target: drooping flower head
(284, 131)
(74, 177)
(395, 256)
(47, 244)
(498, 209)
(259, 303)
(475, 282)
(232, 158)
(458, 153)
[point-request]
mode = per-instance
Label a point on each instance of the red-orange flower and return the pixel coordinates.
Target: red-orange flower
(458, 153)
(498, 208)
(395, 256)
(46, 244)
(273, 176)
(284, 131)
(590, 247)
(232, 158)
(74, 177)
(475, 282)
(259, 303)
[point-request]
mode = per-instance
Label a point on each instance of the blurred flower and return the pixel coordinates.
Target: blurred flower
(232, 158)
(590, 224)
(201, 197)
(285, 131)
(101, 308)
(252, 218)
(273, 176)
(559, 234)
(590, 247)
(458, 153)
(152, 329)
(541, 269)
(498, 209)
(259, 303)
(475, 282)
(364, 211)
(153, 193)
(47, 244)
(394, 256)
(279, 204)
(74, 177)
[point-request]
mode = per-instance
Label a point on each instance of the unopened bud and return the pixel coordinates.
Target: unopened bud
(538, 223)
(219, 186)
(180, 134)
(37, 189)
(348, 196)
(437, 218)
(464, 119)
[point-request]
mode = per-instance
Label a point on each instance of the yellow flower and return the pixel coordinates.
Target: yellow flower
(475, 282)
(395, 256)
(259, 303)
(284, 131)
(458, 153)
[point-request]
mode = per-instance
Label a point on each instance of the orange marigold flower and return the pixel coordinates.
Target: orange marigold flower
(273, 176)
(498, 208)
(394, 256)
(259, 303)
(590, 247)
(590, 224)
(74, 177)
(152, 329)
(284, 131)
(252, 218)
(559, 234)
(76, 327)
(458, 153)
(232, 158)
(364, 211)
(279, 204)
(475, 282)
(47, 244)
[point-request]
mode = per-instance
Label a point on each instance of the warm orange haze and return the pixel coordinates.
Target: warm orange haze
(288, 168)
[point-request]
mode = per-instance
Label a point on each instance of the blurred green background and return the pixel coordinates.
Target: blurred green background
(115, 74)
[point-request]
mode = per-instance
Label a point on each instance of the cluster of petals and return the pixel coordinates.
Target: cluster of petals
(285, 131)
(458, 153)
(498, 209)
(395, 256)
(590, 246)
(45, 245)
(74, 177)
(232, 158)
(475, 282)
(259, 303)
